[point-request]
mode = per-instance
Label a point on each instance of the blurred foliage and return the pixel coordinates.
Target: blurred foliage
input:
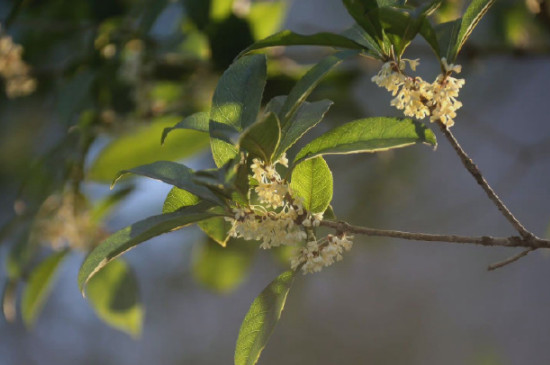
(111, 76)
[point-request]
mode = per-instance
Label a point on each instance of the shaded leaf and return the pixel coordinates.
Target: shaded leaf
(172, 173)
(141, 231)
(114, 295)
(198, 121)
(39, 287)
(306, 117)
(312, 181)
(145, 148)
(222, 269)
(289, 38)
(217, 229)
(308, 82)
(361, 11)
(368, 135)
(262, 138)
(236, 103)
(358, 35)
(104, 207)
(475, 11)
(260, 321)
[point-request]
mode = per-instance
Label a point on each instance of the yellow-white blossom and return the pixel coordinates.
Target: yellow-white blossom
(318, 254)
(418, 98)
(14, 70)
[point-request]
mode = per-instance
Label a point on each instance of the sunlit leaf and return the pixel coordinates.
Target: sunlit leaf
(312, 181)
(368, 135)
(222, 269)
(260, 321)
(142, 146)
(141, 231)
(236, 103)
(178, 198)
(114, 295)
(39, 287)
(220, 9)
(217, 229)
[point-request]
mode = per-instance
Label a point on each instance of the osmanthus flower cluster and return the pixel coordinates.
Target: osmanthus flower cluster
(280, 219)
(13, 69)
(418, 98)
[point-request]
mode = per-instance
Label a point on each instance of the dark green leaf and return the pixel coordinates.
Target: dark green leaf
(475, 11)
(262, 138)
(128, 237)
(198, 121)
(427, 32)
(222, 269)
(288, 38)
(361, 11)
(145, 148)
(172, 173)
(308, 82)
(260, 321)
(312, 181)
(236, 102)
(329, 214)
(358, 35)
(39, 287)
(114, 295)
(368, 135)
(306, 117)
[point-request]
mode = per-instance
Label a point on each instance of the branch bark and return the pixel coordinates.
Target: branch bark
(478, 176)
(531, 242)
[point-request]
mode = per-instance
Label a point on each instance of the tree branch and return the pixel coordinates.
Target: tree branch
(510, 260)
(531, 242)
(478, 176)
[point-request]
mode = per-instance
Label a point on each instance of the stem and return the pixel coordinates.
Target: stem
(531, 242)
(510, 260)
(478, 176)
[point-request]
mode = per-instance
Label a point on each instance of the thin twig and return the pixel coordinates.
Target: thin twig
(531, 242)
(478, 176)
(510, 260)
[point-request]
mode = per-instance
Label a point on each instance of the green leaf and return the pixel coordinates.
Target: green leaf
(178, 198)
(220, 9)
(289, 38)
(358, 35)
(265, 18)
(198, 121)
(329, 214)
(262, 138)
(39, 287)
(172, 173)
(260, 321)
(306, 117)
(114, 295)
(222, 269)
(312, 181)
(428, 32)
(215, 228)
(361, 11)
(475, 11)
(308, 82)
(236, 103)
(125, 239)
(368, 135)
(142, 146)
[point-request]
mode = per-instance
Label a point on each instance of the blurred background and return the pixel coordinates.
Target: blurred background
(101, 79)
